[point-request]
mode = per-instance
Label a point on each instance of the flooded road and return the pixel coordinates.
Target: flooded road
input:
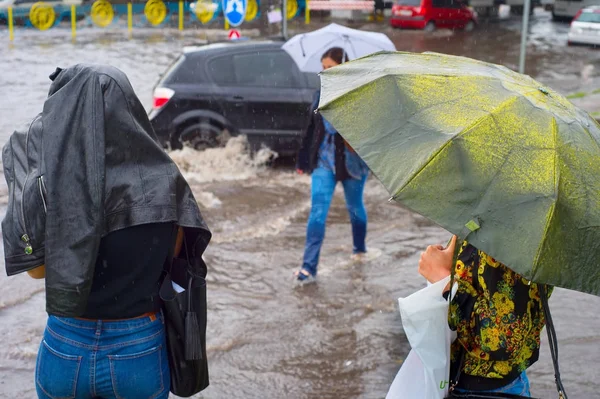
(340, 338)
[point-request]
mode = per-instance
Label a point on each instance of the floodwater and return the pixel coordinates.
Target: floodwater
(340, 338)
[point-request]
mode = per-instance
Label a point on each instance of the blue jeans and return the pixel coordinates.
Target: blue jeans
(322, 189)
(520, 386)
(85, 359)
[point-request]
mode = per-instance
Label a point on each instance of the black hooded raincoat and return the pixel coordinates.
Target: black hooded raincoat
(101, 170)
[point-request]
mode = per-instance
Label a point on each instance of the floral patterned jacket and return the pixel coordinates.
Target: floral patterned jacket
(498, 317)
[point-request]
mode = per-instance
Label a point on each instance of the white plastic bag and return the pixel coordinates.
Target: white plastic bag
(424, 373)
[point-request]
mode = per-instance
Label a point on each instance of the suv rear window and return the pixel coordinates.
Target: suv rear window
(256, 69)
(183, 70)
(221, 71)
(266, 69)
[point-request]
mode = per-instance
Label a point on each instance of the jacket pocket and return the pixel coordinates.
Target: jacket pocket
(56, 373)
(24, 225)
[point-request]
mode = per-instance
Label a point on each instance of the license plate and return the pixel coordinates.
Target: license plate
(405, 13)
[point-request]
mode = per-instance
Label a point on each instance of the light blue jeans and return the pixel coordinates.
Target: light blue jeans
(322, 189)
(85, 359)
(520, 386)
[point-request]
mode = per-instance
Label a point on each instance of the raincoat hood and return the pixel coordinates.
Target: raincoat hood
(103, 170)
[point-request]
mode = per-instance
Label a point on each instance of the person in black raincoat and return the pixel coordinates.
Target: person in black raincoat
(114, 205)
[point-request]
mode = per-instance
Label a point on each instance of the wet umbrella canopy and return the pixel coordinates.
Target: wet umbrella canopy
(482, 151)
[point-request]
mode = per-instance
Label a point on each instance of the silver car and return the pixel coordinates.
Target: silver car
(585, 28)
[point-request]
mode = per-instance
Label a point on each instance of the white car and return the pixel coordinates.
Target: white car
(585, 28)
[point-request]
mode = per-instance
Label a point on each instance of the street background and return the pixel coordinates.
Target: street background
(341, 338)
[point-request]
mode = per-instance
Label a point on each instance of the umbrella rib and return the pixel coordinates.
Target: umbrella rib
(302, 46)
(552, 212)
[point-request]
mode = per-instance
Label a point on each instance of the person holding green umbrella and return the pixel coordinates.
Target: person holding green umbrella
(330, 159)
(502, 161)
(498, 317)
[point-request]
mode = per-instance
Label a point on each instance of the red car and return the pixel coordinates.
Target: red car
(432, 14)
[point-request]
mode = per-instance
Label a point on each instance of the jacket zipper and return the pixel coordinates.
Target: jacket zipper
(25, 237)
(42, 188)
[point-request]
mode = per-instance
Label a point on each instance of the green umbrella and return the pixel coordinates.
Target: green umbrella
(482, 151)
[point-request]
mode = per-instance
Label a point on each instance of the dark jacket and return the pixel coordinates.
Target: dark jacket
(98, 168)
(308, 155)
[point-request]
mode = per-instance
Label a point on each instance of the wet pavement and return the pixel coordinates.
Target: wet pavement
(340, 338)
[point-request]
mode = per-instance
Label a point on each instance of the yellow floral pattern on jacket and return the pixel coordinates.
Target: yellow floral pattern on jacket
(498, 317)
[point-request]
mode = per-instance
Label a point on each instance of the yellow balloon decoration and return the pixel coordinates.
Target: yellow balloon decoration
(155, 11)
(102, 13)
(42, 15)
(205, 10)
(251, 10)
(292, 8)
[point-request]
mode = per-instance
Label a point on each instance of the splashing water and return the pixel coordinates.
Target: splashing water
(230, 163)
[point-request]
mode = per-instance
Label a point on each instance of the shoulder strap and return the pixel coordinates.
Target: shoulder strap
(552, 341)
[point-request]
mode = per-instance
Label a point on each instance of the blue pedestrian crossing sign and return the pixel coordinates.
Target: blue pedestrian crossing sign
(235, 11)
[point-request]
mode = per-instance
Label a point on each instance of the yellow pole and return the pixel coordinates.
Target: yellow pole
(73, 21)
(181, 15)
(307, 13)
(129, 17)
(11, 28)
(226, 24)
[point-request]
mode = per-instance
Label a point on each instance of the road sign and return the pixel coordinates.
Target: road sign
(235, 11)
(234, 34)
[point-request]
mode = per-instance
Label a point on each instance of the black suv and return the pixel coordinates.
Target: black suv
(238, 87)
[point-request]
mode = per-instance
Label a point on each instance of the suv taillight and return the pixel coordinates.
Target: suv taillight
(162, 95)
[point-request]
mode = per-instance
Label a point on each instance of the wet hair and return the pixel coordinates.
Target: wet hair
(337, 54)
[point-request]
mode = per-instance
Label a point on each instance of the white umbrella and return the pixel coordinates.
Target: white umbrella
(308, 48)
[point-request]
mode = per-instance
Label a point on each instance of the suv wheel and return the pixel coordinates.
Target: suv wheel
(202, 136)
(430, 27)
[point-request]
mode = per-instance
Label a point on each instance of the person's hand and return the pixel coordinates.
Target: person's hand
(300, 171)
(436, 262)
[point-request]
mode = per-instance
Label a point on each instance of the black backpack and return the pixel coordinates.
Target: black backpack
(24, 226)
